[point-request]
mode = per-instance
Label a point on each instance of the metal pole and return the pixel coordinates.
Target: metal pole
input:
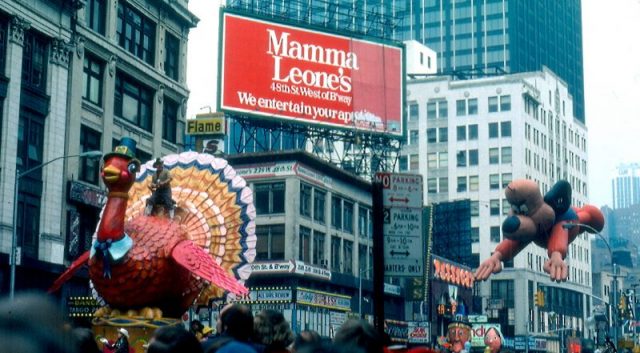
(14, 238)
(360, 296)
(378, 257)
(614, 305)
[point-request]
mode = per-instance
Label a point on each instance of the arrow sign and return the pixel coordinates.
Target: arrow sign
(405, 253)
(404, 200)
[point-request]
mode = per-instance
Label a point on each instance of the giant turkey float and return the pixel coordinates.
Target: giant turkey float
(149, 269)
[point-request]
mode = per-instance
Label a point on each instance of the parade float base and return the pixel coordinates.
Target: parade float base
(140, 330)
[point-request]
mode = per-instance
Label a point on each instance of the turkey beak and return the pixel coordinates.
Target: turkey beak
(111, 173)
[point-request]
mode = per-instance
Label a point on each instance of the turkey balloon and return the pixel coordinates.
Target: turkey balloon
(550, 222)
(154, 265)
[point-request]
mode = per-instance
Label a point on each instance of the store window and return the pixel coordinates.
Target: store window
(269, 198)
(270, 242)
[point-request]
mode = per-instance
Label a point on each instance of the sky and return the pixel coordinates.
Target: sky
(611, 49)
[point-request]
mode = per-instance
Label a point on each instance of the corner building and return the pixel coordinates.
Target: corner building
(469, 139)
(77, 76)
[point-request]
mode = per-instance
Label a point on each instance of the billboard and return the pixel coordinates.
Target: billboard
(282, 72)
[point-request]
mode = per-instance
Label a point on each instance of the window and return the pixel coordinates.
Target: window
(493, 104)
(472, 106)
(89, 167)
(305, 245)
(444, 134)
(270, 242)
(414, 162)
(3, 43)
(318, 248)
(461, 159)
(133, 102)
(461, 133)
(473, 132)
(494, 181)
(362, 261)
(461, 107)
(95, 11)
(305, 200)
(506, 207)
(363, 222)
(494, 156)
(493, 130)
(437, 109)
(141, 155)
(506, 179)
(432, 160)
(402, 163)
(413, 137)
(494, 207)
(475, 208)
(495, 234)
(505, 129)
(443, 158)
(336, 212)
(505, 103)
(347, 256)
(347, 224)
(475, 234)
(92, 80)
(432, 135)
(335, 254)
(506, 155)
(413, 112)
(135, 33)
(462, 184)
(269, 198)
(169, 120)
(432, 110)
(473, 183)
(444, 184)
(171, 56)
(432, 185)
(473, 157)
(34, 62)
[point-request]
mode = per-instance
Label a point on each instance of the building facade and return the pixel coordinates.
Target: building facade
(625, 186)
(76, 77)
(469, 139)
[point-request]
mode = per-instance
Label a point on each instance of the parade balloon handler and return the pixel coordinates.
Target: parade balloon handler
(543, 221)
(122, 343)
(161, 190)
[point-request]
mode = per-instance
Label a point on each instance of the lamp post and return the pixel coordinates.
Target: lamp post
(14, 236)
(614, 284)
(360, 290)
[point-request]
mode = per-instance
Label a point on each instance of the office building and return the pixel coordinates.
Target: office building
(77, 76)
(469, 139)
(625, 186)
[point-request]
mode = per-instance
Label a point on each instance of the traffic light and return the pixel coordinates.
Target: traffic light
(539, 298)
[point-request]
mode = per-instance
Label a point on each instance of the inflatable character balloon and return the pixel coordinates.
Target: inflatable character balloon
(550, 222)
(493, 340)
(458, 333)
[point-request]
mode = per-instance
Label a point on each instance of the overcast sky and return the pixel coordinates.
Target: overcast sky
(611, 32)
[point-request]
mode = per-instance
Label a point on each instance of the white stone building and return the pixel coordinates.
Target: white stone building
(77, 76)
(469, 139)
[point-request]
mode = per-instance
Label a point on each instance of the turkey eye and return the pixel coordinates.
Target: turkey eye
(133, 167)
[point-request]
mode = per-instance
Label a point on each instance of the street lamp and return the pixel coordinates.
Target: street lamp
(614, 285)
(14, 237)
(360, 290)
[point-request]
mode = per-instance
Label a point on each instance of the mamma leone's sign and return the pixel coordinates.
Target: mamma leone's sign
(283, 72)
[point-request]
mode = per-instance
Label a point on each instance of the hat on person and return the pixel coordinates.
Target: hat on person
(207, 330)
(124, 332)
(158, 162)
(126, 148)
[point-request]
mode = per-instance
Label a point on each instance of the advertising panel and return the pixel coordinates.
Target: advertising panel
(279, 71)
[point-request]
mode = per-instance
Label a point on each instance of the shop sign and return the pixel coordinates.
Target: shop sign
(259, 295)
(308, 270)
(478, 319)
(272, 267)
(266, 170)
(82, 306)
(86, 194)
(419, 332)
(453, 274)
(207, 124)
(313, 176)
(257, 307)
(323, 299)
(397, 330)
(391, 289)
(478, 331)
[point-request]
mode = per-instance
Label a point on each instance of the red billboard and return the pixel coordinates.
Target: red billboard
(278, 71)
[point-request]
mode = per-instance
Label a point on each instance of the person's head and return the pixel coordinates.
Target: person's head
(236, 320)
(158, 164)
(173, 339)
(85, 342)
(271, 329)
(305, 338)
(32, 323)
(196, 326)
(359, 334)
(122, 332)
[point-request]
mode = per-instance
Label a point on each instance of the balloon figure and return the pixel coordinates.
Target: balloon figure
(493, 340)
(458, 334)
(152, 266)
(550, 222)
